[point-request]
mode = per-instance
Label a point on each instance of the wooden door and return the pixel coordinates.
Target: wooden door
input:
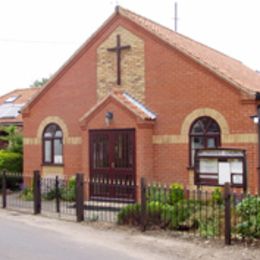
(112, 164)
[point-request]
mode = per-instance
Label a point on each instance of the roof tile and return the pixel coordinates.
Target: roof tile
(228, 68)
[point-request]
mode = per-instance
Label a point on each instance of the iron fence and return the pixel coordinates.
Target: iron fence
(221, 213)
(58, 196)
(200, 213)
(15, 191)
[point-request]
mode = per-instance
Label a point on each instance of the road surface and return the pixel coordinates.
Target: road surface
(22, 241)
(28, 237)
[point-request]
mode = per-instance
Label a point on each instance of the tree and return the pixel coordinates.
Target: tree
(14, 139)
(38, 83)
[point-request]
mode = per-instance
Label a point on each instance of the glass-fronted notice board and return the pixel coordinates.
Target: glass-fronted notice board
(215, 167)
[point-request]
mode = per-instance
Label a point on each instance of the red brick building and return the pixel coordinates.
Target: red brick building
(136, 100)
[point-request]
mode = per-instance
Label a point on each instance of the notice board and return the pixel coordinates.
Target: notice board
(215, 167)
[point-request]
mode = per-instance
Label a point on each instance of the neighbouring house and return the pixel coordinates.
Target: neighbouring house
(10, 108)
(137, 99)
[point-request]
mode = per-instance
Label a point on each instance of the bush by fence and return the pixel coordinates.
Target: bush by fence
(217, 214)
(11, 161)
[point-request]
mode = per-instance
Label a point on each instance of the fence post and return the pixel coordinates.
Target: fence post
(57, 194)
(4, 189)
(37, 192)
(80, 197)
(227, 199)
(143, 204)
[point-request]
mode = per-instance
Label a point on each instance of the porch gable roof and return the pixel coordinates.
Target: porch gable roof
(127, 101)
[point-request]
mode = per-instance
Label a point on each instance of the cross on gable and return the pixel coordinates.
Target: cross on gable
(118, 50)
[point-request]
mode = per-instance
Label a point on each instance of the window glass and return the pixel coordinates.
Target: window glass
(47, 151)
(211, 142)
(58, 133)
(52, 139)
(204, 133)
(57, 151)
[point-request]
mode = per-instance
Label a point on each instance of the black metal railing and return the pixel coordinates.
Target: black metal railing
(220, 213)
(15, 191)
(175, 208)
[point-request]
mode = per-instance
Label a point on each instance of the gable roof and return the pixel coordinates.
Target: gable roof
(127, 101)
(224, 66)
(12, 103)
(227, 68)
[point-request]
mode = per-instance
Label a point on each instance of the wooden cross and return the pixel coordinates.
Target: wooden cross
(118, 50)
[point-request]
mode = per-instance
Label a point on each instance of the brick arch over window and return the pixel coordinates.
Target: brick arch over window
(201, 112)
(56, 120)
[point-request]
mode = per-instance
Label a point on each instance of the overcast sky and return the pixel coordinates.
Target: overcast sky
(38, 36)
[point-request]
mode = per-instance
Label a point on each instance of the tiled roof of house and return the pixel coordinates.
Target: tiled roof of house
(226, 67)
(12, 103)
(133, 105)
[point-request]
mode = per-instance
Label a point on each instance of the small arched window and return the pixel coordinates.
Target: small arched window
(204, 133)
(52, 145)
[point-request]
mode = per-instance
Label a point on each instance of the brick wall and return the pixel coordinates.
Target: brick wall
(169, 83)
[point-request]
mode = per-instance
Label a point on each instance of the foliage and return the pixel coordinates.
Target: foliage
(163, 195)
(209, 227)
(176, 193)
(50, 195)
(68, 193)
(165, 208)
(130, 215)
(27, 194)
(38, 83)
(157, 193)
(217, 196)
(13, 181)
(14, 139)
(168, 216)
(249, 212)
(11, 161)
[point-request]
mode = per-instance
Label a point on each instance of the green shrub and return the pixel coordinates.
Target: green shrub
(176, 193)
(130, 215)
(166, 215)
(157, 193)
(249, 211)
(11, 161)
(13, 138)
(209, 227)
(27, 194)
(50, 195)
(217, 196)
(68, 193)
(13, 181)
(174, 216)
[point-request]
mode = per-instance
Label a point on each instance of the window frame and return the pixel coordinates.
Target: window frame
(205, 136)
(52, 140)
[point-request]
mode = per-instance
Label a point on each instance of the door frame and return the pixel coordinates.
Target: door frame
(90, 155)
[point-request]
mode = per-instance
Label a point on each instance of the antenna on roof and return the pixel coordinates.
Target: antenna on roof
(175, 16)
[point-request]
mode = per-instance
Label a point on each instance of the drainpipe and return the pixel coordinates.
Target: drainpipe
(257, 98)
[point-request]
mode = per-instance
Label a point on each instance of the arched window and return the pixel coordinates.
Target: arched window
(204, 133)
(52, 144)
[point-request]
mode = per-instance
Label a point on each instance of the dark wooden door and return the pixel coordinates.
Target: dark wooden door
(112, 164)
